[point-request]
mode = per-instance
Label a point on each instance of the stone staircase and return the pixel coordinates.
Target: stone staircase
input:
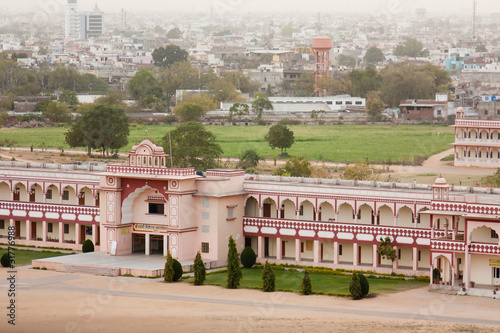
(93, 270)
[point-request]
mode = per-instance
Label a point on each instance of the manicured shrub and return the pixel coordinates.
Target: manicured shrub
(5, 260)
(177, 270)
(268, 278)
(234, 274)
(169, 268)
(436, 275)
(306, 286)
(248, 257)
(365, 286)
(355, 287)
(87, 246)
(199, 270)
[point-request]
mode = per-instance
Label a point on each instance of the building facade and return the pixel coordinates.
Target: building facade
(72, 20)
(146, 207)
(92, 24)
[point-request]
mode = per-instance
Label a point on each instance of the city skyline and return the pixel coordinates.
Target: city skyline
(394, 7)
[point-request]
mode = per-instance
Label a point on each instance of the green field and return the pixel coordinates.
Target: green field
(338, 143)
(321, 282)
(24, 257)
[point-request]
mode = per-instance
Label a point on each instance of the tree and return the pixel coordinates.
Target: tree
(69, 98)
(287, 31)
(306, 286)
(295, 167)
(365, 286)
(249, 160)
(355, 287)
(57, 112)
(174, 33)
(365, 80)
(409, 48)
(169, 269)
(373, 55)
(248, 257)
(268, 278)
(199, 270)
(101, 126)
(141, 83)
(493, 180)
(243, 82)
(317, 114)
(238, 110)
(359, 171)
(181, 75)
(302, 87)
(386, 249)
(234, 274)
(374, 105)
(347, 61)
(224, 91)
(204, 100)
(280, 136)
(169, 55)
(261, 103)
(193, 146)
(188, 112)
(87, 246)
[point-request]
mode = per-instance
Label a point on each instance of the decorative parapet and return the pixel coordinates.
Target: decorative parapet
(448, 245)
(484, 248)
(49, 212)
(466, 207)
(477, 123)
(225, 173)
(151, 171)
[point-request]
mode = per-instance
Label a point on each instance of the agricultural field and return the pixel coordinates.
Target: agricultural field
(321, 282)
(387, 144)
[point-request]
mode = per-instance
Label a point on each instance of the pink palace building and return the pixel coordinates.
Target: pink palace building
(146, 207)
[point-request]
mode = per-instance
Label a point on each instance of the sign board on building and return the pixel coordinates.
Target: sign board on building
(490, 98)
(494, 262)
(150, 227)
(124, 231)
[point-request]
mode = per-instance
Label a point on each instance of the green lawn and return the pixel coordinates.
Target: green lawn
(321, 282)
(24, 257)
(337, 143)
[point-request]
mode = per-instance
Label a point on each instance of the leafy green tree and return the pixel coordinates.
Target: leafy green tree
(193, 146)
(199, 270)
(261, 103)
(386, 249)
(69, 98)
(316, 114)
(493, 180)
(188, 112)
(238, 110)
(268, 278)
(280, 136)
(347, 61)
(374, 105)
(302, 87)
(67, 78)
(174, 33)
(355, 287)
(409, 48)
(167, 56)
(373, 55)
(101, 126)
(169, 269)
(365, 80)
(234, 273)
(306, 285)
(359, 171)
(249, 160)
(204, 100)
(57, 112)
(181, 75)
(142, 83)
(287, 31)
(41, 106)
(224, 91)
(248, 257)
(295, 167)
(242, 82)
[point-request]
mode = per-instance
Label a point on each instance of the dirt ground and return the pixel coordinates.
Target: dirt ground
(48, 301)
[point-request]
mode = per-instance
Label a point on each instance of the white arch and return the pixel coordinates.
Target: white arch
(128, 203)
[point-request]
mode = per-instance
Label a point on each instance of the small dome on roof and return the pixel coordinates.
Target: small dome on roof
(440, 181)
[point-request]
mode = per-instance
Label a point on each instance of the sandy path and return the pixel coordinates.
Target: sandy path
(59, 302)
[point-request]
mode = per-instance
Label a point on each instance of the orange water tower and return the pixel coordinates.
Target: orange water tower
(321, 47)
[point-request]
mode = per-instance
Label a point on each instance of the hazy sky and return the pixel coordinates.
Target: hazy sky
(332, 6)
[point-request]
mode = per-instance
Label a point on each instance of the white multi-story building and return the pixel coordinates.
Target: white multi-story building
(72, 21)
(92, 24)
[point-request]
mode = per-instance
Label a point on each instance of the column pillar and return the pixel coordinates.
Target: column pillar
(94, 234)
(261, 211)
(147, 245)
(77, 233)
(355, 253)
(165, 245)
(28, 230)
(316, 251)
(467, 277)
(297, 250)
(278, 248)
(260, 247)
(335, 253)
(395, 264)
(431, 275)
(375, 255)
(44, 231)
(12, 224)
(395, 220)
(61, 232)
(452, 269)
(415, 258)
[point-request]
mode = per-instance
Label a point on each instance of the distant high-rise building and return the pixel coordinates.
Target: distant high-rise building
(72, 22)
(92, 24)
